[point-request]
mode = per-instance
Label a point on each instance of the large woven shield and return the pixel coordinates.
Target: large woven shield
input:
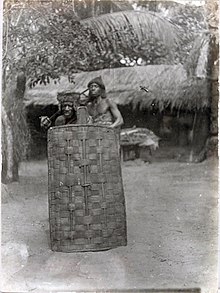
(86, 198)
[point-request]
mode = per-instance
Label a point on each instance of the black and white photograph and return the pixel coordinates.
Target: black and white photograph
(109, 146)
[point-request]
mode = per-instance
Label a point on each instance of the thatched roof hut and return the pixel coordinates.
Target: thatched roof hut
(167, 85)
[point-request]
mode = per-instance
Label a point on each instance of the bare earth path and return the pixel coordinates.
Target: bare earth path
(172, 233)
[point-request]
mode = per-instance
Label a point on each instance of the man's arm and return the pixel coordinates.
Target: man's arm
(116, 114)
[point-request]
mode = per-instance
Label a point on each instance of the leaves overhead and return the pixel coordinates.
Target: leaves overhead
(49, 39)
(47, 43)
(191, 18)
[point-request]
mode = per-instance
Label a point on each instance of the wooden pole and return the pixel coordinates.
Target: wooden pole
(192, 137)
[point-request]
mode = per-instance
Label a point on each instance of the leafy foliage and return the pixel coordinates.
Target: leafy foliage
(47, 43)
(190, 18)
(48, 40)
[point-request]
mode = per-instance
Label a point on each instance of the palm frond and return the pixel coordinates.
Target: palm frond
(113, 29)
(197, 61)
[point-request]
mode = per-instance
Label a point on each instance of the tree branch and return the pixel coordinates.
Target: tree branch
(19, 16)
(12, 7)
(73, 6)
(6, 41)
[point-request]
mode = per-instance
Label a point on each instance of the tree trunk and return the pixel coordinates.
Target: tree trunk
(11, 121)
(214, 87)
(7, 148)
(93, 8)
(19, 95)
(212, 11)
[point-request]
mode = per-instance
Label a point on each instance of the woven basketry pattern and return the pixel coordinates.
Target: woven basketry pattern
(86, 198)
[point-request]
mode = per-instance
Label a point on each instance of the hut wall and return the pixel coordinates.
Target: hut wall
(140, 118)
(38, 144)
(181, 132)
(174, 129)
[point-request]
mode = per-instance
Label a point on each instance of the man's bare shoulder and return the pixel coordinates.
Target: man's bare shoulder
(110, 103)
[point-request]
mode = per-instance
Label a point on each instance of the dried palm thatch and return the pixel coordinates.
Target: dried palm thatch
(122, 28)
(167, 85)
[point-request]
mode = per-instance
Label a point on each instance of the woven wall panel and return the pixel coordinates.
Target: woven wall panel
(86, 198)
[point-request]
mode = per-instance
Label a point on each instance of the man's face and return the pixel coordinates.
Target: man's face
(94, 90)
(68, 109)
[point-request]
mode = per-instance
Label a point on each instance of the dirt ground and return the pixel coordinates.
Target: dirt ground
(172, 233)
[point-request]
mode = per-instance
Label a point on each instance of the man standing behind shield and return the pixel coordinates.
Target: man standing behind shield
(102, 110)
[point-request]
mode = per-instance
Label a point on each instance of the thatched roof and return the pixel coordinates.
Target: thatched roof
(166, 84)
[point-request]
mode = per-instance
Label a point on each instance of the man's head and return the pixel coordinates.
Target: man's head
(68, 101)
(67, 109)
(96, 88)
